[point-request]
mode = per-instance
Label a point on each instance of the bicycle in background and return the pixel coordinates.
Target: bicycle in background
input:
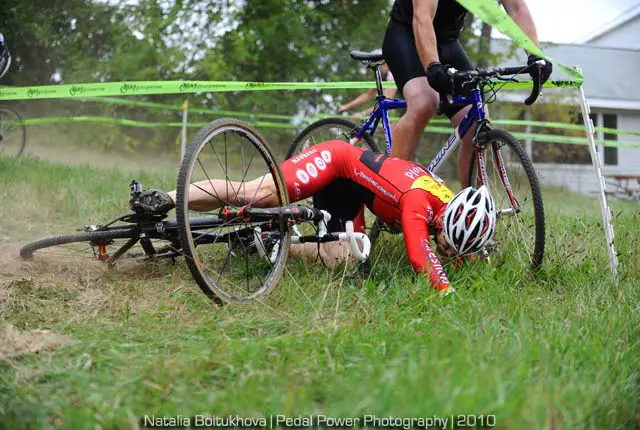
(13, 134)
(499, 160)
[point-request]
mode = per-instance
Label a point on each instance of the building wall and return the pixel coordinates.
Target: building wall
(629, 158)
(581, 178)
(625, 36)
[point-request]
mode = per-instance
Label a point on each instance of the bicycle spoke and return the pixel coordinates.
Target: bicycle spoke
(226, 172)
(217, 197)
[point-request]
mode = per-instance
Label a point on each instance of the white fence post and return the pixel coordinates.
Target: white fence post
(183, 142)
(595, 159)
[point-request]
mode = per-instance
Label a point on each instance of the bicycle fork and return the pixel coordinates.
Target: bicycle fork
(499, 160)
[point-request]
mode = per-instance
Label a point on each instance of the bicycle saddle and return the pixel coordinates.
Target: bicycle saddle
(375, 55)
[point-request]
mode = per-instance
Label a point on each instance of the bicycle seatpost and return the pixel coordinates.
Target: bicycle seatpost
(376, 72)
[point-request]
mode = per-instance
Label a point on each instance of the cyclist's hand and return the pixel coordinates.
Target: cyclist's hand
(340, 109)
(545, 71)
(438, 78)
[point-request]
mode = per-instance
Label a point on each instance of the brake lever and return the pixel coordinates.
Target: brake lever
(444, 98)
(537, 84)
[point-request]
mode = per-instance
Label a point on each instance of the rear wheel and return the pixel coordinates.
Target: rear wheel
(13, 136)
(520, 231)
(221, 161)
(329, 129)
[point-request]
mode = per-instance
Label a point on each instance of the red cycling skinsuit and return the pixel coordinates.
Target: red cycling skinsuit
(400, 192)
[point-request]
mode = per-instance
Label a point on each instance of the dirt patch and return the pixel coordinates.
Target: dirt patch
(14, 342)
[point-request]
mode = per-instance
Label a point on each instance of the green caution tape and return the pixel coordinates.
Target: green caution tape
(132, 123)
(550, 138)
(487, 10)
(490, 12)
(188, 87)
(152, 105)
(265, 124)
(240, 114)
(163, 87)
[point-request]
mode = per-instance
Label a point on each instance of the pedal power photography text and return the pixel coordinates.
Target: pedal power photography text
(319, 421)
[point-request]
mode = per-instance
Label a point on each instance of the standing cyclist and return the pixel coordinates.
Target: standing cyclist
(420, 44)
(5, 57)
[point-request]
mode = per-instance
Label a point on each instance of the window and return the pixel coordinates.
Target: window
(610, 152)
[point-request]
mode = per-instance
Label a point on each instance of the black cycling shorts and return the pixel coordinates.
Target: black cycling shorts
(343, 199)
(399, 49)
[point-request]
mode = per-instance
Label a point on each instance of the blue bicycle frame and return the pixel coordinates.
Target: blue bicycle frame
(380, 113)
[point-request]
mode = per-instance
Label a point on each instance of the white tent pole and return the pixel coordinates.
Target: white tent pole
(595, 159)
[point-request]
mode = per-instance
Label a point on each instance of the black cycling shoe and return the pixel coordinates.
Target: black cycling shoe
(151, 202)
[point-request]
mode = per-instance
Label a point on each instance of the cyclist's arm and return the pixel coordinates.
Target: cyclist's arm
(362, 98)
(415, 224)
(519, 12)
(423, 13)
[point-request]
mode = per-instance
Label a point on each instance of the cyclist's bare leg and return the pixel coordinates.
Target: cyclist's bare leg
(466, 148)
(332, 253)
(261, 192)
(208, 195)
(422, 103)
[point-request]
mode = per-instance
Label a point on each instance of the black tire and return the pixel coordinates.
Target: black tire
(341, 128)
(526, 227)
(273, 272)
(28, 250)
(13, 137)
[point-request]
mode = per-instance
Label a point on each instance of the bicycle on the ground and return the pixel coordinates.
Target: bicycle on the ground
(233, 253)
(499, 160)
(13, 134)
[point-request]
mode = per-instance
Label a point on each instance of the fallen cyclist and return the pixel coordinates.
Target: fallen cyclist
(402, 193)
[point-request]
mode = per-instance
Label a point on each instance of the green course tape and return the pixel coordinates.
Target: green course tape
(550, 124)
(163, 87)
(188, 87)
(562, 125)
(550, 138)
(490, 12)
(151, 105)
(132, 123)
(487, 10)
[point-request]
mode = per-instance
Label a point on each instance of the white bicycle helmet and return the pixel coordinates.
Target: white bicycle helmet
(469, 220)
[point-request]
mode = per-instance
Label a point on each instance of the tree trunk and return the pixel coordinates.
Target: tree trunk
(484, 47)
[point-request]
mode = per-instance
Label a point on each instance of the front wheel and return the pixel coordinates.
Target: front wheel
(227, 166)
(520, 231)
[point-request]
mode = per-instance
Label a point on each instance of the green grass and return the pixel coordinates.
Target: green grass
(561, 350)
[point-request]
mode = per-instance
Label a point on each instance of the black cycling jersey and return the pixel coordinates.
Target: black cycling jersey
(447, 23)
